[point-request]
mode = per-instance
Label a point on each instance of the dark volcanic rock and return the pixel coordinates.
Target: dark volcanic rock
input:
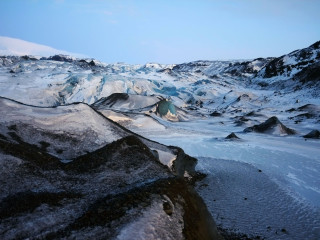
(232, 136)
(215, 114)
(128, 153)
(272, 125)
(84, 64)
(92, 63)
(310, 111)
(106, 191)
(254, 114)
(26, 202)
(305, 115)
(309, 74)
(273, 68)
(313, 134)
(311, 108)
(26, 57)
(183, 163)
(111, 100)
(118, 190)
(61, 58)
(241, 120)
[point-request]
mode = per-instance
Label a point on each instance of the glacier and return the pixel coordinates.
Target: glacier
(262, 185)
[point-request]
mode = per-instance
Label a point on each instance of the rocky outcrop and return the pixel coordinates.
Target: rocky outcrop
(298, 63)
(232, 136)
(247, 67)
(308, 111)
(120, 190)
(126, 102)
(215, 114)
(183, 164)
(60, 58)
(310, 74)
(313, 134)
(107, 193)
(272, 126)
(111, 100)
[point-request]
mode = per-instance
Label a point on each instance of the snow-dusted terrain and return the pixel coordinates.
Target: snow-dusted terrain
(265, 183)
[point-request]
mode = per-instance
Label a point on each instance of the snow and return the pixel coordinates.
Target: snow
(12, 46)
(115, 116)
(166, 158)
(66, 117)
(139, 123)
(257, 65)
(289, 60)
(154, 223)
(78, 121)
(143, 123)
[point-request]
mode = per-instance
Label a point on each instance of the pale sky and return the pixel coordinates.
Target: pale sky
(164, 31)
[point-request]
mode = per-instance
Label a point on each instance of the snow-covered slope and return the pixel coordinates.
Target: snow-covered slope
(67, 131)
(301, 66)
(16, 47)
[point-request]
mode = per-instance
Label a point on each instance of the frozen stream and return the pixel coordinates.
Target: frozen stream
(278, 176)
(291, 161)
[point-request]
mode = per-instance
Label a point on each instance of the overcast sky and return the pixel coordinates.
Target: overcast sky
(164, 31)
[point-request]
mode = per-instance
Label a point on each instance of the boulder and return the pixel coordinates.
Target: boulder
(232, 136)
(272, 126)
(215, 114)
(313, 134)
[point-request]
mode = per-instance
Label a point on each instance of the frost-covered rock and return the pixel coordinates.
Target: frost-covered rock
(300, 65)
(100, 194)
(313, 134)
(125, 102)
(232, 136)
(272, 126)
(69, 131)
(247, 68)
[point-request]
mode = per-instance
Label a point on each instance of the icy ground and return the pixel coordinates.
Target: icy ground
(262, 185)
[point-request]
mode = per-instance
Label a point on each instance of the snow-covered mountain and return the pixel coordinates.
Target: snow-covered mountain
(300, 66)
(289, 65)
(16, 47)
(74, 112)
